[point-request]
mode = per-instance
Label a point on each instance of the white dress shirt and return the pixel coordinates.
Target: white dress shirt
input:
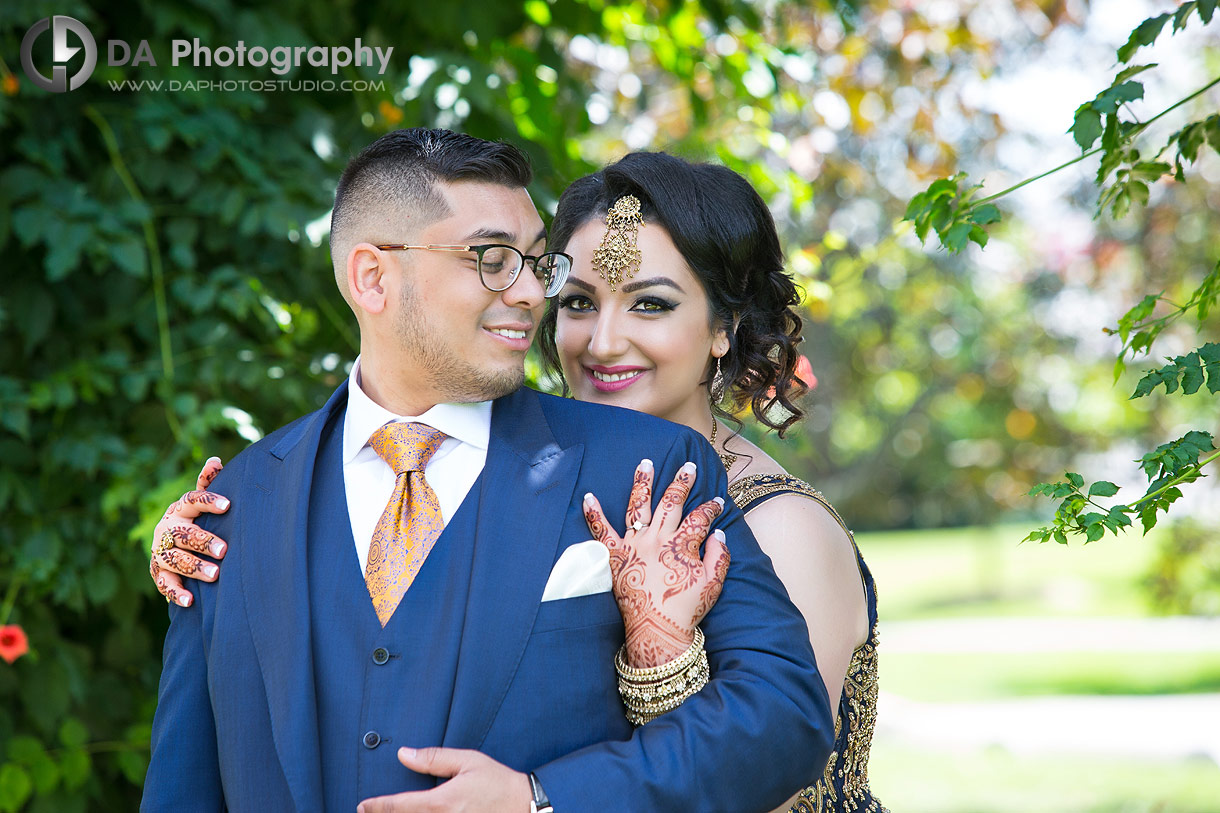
(369, 480)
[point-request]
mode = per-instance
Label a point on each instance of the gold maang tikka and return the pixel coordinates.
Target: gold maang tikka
(618, 256)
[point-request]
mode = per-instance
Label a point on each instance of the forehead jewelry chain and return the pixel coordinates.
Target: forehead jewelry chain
(618, 256)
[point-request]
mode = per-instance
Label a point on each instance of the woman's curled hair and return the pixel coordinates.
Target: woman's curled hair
(726, 234)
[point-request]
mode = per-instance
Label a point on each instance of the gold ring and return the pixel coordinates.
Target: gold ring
(166, 542)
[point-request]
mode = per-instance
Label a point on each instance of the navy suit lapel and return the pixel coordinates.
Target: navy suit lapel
(526, 489)
(274, 582)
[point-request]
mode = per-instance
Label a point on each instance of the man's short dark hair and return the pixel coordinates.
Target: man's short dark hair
(402, 168)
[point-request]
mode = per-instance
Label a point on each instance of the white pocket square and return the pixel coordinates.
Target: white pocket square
(583, 569)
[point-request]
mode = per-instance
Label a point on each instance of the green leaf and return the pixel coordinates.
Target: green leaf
(129, 255)
(1075, 479)
(1144, 34)
(1148, 518)
(1150, 170)
(1206, 9)
(1103, 488)
(1110, 99)
(955, 238)
(44, 771)
(73, 733)
(1094, 532)
(985, 214)
(134, 766)
(1086, 126)
(1210, 355)
(15, 786)
(1192, 373)
(1130, 71)
(75, 766)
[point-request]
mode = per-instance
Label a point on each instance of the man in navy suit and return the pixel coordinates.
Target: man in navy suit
(282, 690)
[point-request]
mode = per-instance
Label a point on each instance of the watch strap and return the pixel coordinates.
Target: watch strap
(540, 803)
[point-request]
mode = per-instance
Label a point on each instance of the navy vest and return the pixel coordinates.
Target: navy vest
(379, 689)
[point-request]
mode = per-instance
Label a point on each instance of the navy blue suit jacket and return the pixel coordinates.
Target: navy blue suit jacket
(236, 723)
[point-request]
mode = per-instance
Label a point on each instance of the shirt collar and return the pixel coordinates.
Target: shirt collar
(467, 423)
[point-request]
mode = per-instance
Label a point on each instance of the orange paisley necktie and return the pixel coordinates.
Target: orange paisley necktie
(411, 522)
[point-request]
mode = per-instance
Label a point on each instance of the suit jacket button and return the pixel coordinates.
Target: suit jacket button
(372, 739)
(380, 655)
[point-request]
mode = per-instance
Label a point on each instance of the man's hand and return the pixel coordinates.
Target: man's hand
(478, 783)
(662, 586)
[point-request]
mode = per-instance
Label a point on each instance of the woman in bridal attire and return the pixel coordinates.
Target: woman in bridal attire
(678, 305)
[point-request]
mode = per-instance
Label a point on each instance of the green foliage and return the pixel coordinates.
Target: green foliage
(1189, 371)
(946, 207)
(1170, 465)
(1147, 32)
(1138, 329)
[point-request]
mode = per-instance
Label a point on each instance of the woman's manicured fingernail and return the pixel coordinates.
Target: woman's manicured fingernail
(223, 504)
(719, 500)
(719, 534)
(409, 753)
(645, 465)
(184, 601)
(218, 549)
(589, 498)
(209, 570)
(688, 467)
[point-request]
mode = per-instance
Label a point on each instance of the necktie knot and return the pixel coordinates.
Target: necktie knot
(406, 446)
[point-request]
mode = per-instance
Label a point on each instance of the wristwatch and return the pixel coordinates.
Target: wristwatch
(539, 804)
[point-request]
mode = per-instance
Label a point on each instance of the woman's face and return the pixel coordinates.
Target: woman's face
(646, 345)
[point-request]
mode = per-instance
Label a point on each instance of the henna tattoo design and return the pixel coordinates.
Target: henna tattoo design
(211, 468)
(675, 496)
(660, 583)
(711, 590)
(191, 537)
(191, 498)
(180, 562)
(638, 509)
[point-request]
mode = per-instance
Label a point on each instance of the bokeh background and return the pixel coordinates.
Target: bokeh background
(165, 294)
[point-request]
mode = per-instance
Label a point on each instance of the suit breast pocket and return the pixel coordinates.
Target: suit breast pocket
(574, 613)
(564, 695)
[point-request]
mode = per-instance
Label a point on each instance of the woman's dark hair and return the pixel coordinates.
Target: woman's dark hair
(727, 236)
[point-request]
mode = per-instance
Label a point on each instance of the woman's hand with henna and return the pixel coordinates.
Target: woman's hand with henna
(177, 539)
(663, 588)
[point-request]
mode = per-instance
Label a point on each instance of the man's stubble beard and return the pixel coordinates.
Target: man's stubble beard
(456, 379)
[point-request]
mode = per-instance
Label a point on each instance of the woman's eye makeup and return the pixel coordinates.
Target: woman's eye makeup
(576, 302)
(654, 304)
(645, 304)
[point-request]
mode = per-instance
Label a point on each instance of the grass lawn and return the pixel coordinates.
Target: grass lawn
(964, 572)
(968, 677)
(910, 779)
(981, 573)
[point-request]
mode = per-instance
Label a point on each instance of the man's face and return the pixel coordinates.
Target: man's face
(462, 341)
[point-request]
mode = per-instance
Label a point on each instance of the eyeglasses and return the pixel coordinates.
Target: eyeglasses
(499, 265)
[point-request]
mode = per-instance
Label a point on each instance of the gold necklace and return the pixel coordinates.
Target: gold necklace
(726, 457)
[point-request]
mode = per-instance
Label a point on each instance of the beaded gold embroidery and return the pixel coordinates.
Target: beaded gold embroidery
(618, 256)
(857, 704)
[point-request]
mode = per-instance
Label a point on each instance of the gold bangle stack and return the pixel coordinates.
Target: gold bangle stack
(649, 693)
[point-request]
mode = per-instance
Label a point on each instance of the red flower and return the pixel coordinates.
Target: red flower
(13, 643)
(804, 371)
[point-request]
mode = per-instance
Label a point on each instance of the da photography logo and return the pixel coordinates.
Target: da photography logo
(61, 53)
